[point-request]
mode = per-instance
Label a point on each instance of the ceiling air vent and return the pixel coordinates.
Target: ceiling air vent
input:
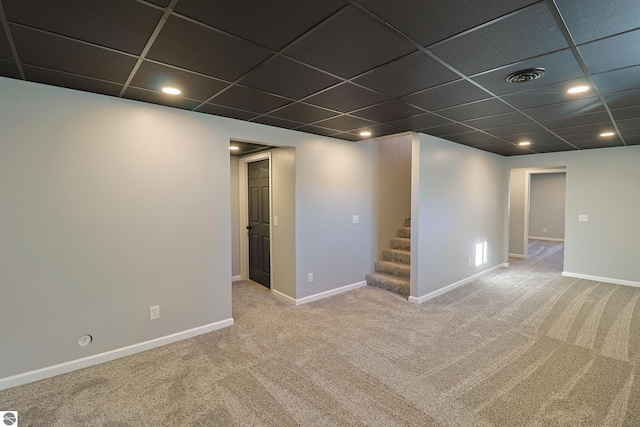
(527, 75)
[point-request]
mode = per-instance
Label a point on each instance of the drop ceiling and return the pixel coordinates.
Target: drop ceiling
(242, 148)
(339, 67)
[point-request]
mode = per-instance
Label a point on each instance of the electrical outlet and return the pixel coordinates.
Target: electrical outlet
(583, 217)
(310, 277)
(470, 262)
(85, 340)
(275, 221)
(356, 219)
(154, 312)
(544, 230)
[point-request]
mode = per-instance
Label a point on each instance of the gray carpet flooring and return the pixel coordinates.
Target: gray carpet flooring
(522, 346)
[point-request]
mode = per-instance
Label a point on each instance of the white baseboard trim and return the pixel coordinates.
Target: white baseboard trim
(283, 297)
(63, 368)
(602, 279)
(547, 239)
(516, 256)
(318, 296)
(236, 278)
(431, 295)
(332, 292)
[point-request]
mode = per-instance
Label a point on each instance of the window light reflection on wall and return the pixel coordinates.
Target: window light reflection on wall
(481, 253)
(484, 256)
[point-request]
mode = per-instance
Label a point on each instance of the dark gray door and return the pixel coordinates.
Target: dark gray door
(258, 228)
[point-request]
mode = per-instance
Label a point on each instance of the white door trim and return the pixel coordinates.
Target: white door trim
(243, 182)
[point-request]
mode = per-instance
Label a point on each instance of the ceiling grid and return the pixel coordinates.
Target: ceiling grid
(339, 67)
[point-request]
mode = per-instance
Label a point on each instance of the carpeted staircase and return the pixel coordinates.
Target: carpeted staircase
(392, 273)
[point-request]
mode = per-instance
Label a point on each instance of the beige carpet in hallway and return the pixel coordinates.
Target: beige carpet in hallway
(522, 346)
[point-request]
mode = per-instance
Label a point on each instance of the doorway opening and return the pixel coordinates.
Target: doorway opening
(240, 149)
(275, 213)
(536, 208)
(545, 194)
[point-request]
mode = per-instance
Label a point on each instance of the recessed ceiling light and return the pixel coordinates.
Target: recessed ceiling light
(524, 143)
(578, 89)
(365, 133)
(171, 90)
(233, 148)
(607, 133)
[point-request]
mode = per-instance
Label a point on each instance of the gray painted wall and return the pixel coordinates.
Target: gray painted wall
(283, 193)
(393, 189)
(111, 205)
(333, 183)
(546, 205)
(108, 207)
(604, 184)
(235, 217)
(459, 200)
(516, 211)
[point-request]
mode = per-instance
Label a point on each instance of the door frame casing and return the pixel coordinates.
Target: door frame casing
(243, 183)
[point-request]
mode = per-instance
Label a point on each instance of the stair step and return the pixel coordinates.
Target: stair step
(407, 222)
(393, 284)
(392, 269)
(397, 256)
(404, 232)
(401, 243)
